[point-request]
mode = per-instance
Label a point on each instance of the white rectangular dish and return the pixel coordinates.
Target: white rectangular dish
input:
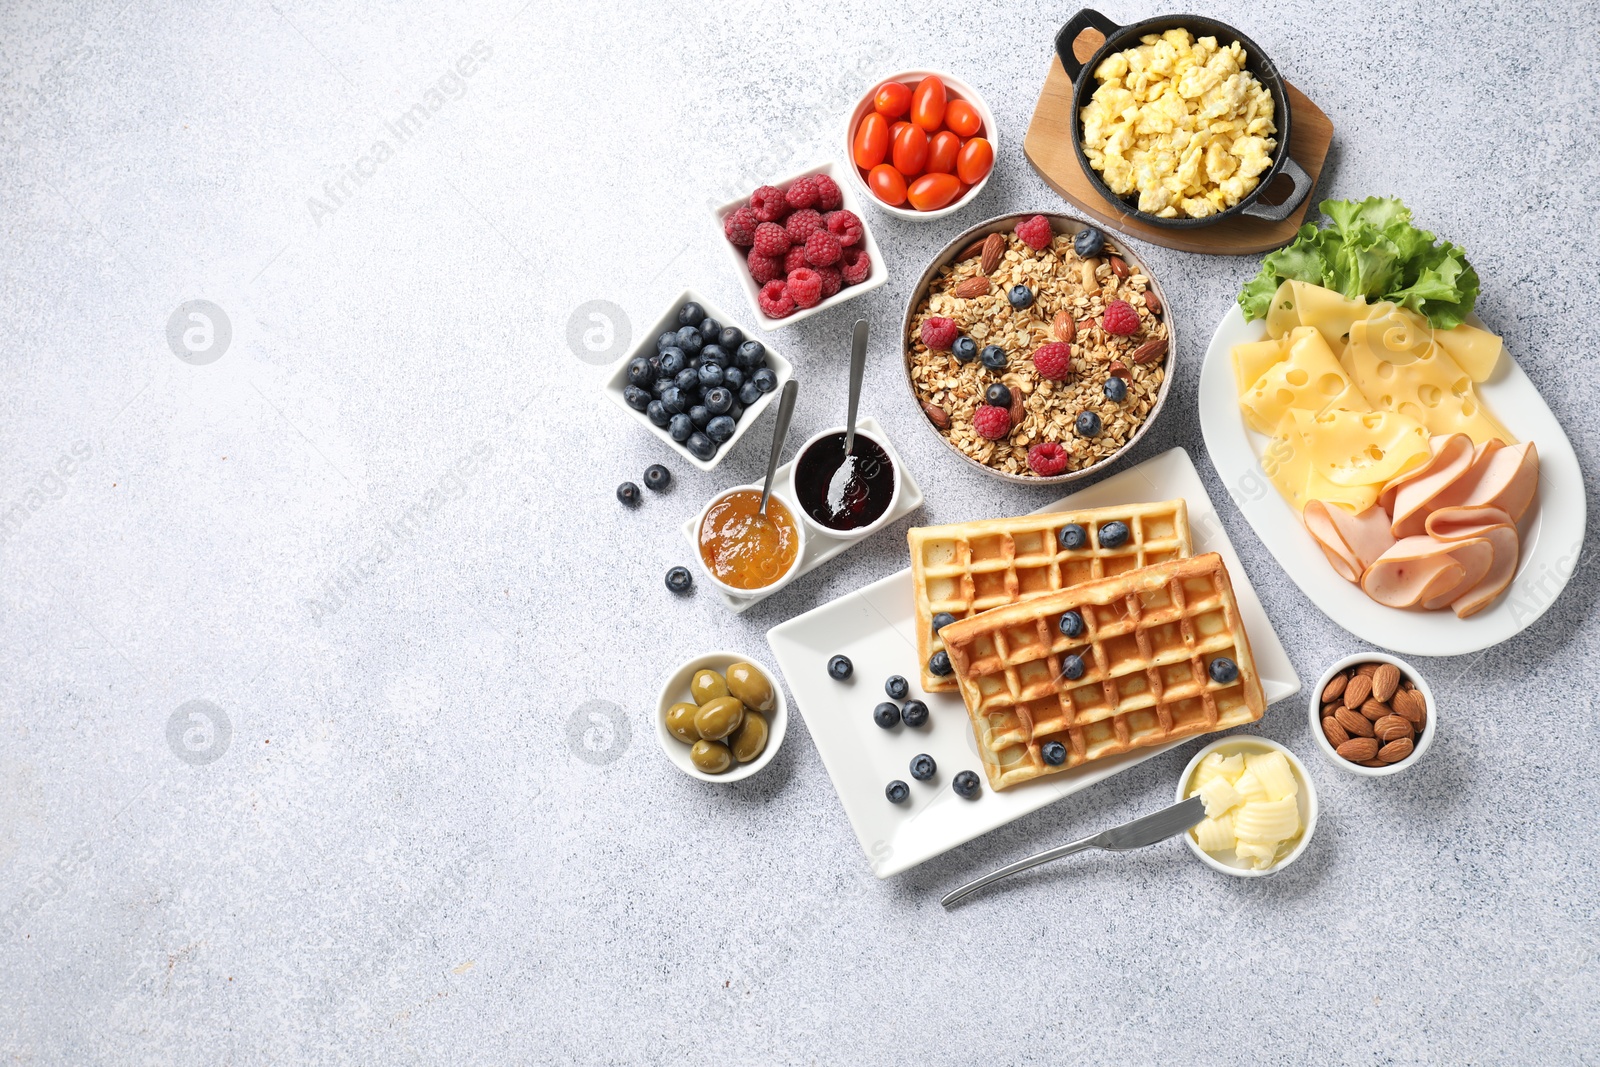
(1552, 531)
(876, 628)
(819, 547)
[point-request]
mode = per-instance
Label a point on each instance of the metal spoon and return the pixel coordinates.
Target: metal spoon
(839, 481)
(779, 432)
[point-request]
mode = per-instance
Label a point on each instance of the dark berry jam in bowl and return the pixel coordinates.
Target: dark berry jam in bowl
(845, 496)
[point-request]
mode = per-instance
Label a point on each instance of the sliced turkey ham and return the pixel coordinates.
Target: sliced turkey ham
(1351, 542)
(1479, 524)
(1409, 506)
(1406, 577)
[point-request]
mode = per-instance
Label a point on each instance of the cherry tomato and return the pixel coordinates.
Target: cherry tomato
(974, 160)
(887, 184)
(910, 151)
(927, 103)
(942, 151)
(872, 140)
(893, 100)
(962, 117)
(933, 191)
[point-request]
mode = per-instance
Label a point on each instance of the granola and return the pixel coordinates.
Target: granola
(1061, 281)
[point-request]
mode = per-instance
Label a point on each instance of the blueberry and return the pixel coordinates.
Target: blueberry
(1071, 624)
(674, 401)
(715, 354)
(710, 375)
(1054, 753)
(658, 413)
(765, 380)
(709, 328)
(966, 785)
(657, 477)
(720, 428)
(749, 393)
(730, 338)
(965, 349)
(886, 715)
(690, 314)
(672, 362)
(699, 415)
(896, 687)
(628, 493)
(1020, 296)
(667, 340)
(994, 357)
(1113, 535)
(688, 379)
(659, 387)
(689, 340)
(736, 412)
(939, 663)
(1072, 537)
(1223, 670)
(679, 579)
(897, 792)
(638, 399)
(680, 427)
(1072, 667)
(640, 372)
(700, 446)
(839, 668)
(923, 767)
(998, 395)
(1089, 243)
(941, 620)
(1087, 424)
(751, 354)
(1116, 389)
(718, 400)
(915, 713)
(733, 378)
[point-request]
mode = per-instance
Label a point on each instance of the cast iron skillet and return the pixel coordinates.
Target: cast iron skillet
(1119, 38)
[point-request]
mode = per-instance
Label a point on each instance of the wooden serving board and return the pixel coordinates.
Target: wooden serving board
(1048, 147)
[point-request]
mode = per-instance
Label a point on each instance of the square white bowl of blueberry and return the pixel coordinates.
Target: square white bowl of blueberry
(697, 381)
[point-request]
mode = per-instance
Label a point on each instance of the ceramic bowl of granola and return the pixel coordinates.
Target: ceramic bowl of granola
(1012, 303)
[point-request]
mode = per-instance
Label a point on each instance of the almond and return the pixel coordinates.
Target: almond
(1392, 727)
(1359, 748)
(1085, 324)
(1120, 369)
(1151, 350)
(1396, 750)
(1354, 722)
(1330, 707)
(968, 288)
(1357, 692)
(1375, 709)
(936, 415)
(994, 248)
(1408, 702)
(1372, 763)
(1119, 266)
(1334, 688)
(1367, 670)
(975, 248)
(1064, 327)
(1018, 412)
(1152, 302)
(1337, 735)
(1385, 680)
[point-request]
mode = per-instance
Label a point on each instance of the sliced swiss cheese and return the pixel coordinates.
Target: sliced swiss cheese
(1397, 370)
(1475, 351)
(1330, 313)
(1287, 462)
(1307, 379)
(1365, 447)
(1253, 359)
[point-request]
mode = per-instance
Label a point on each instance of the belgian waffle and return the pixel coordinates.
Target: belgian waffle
(968, 567)
(1148, 641)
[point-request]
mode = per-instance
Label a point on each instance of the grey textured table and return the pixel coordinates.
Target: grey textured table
(376, 537)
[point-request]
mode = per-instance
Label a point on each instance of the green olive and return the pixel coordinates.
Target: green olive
(750, 739)
(680, 723)
(751, 687)
(707, 685)
(718, 718)
(712, 757)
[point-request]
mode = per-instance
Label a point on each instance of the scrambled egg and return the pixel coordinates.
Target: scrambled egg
(1180, 122)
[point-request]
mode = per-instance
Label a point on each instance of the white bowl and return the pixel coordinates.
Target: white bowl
(669, 320)
(676, 689)
(877, 524)
(1422, 743)
(852, 203)
(788, 576)
(954, 87)
(1307, 798)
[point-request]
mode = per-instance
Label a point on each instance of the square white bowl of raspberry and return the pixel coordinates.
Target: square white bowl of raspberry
(805, 270)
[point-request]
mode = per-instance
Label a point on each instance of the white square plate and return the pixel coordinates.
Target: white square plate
(876, 628)
(1552, 531)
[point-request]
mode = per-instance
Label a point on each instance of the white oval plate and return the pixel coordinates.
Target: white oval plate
(1552, 532)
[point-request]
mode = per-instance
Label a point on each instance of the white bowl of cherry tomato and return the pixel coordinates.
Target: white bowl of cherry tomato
(921, 144)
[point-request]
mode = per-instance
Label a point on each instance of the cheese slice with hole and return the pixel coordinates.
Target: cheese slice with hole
(1308, 378)
(1399, 368)
(1330, 313)
(1252, 360)
(1365, 447)
(1286, 461)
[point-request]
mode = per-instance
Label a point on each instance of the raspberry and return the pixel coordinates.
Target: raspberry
(803, 224)
(768, 204)
(740, 226)
(856, 265)
(771, 239)
(802, 194)
(1035, 232)
(764, 268)
(832, 281)
(939, 333)
(1047, 459)
(829, 198)
(844, 225)
(775, 301)
(823, 249)
(991, 422)
(794, 259)
(1120, 319)
(1053, 361)
(805, 286)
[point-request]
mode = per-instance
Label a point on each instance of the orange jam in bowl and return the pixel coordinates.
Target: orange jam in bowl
(744, 549)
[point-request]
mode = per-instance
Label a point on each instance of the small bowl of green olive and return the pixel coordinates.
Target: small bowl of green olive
(721, 717)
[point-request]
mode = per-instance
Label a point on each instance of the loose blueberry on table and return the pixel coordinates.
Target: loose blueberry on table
(886, 715)
(923, 767)
(657, 477)
(897, 687)
(897, 792)
(628, 493)
(679, 579)
(839, 668)
(915, 713)
(966, 785)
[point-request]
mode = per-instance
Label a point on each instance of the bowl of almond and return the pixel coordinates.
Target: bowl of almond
(1373, 714)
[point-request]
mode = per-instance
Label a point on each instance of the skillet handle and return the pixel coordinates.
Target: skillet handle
(1302, 188)
(1085, 19)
